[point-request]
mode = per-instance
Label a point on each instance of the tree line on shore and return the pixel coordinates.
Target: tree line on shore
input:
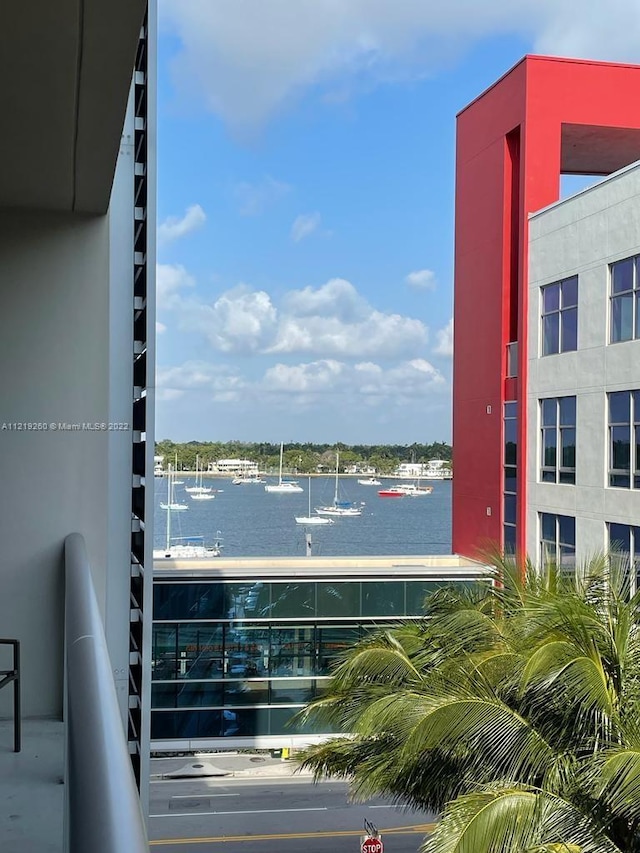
(305, 458)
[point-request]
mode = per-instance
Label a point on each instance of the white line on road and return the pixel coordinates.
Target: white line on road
(256, 811)
(204, 796)
(383, 807)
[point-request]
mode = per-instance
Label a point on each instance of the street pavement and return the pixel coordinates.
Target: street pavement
(264, 807)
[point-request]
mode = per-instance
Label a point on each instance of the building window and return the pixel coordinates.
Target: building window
(509, 515)
(625, 286)
(558, 541)
(624, 548)
(560, 316)
(558, 440)
(624, 439)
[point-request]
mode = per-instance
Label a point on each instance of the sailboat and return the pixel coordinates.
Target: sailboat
(198, 489)
(283, 487)
(341, 509)
(172, 505)
(184, 547)
(175, 468)
(312, 519)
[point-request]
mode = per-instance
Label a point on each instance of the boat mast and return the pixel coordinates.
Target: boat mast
(169, 499)
(281, 452)
(335, 497)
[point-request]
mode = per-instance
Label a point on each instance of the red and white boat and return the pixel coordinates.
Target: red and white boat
(392, 492)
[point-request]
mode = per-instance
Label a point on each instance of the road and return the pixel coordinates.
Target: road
(272, 816)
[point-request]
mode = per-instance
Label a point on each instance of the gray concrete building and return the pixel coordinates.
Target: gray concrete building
(583, 406)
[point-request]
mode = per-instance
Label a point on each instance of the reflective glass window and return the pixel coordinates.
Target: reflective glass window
(338, 599)
(293, 599)
(558, 440)
(188, 601)
(560, 316)
(292, 691)
(383, 599)
(246, 692)
(186, 724)
(246, 651)
(624, 440)
(510, 509)
(333, 642)
(292, 651)
(625, 310)
(558, 540)
(164, 652)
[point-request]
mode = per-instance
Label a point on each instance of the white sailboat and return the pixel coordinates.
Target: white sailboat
(312, 519)
(198, 489)
(184, 547)
(176, 482)
(172, 505)
(340, 509)
(283, 487)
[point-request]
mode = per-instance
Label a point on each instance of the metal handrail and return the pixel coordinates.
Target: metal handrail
(12, 676)
(103, 812)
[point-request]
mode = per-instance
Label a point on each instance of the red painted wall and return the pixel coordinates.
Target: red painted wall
(537, 96)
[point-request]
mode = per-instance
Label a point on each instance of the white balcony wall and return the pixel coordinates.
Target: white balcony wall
(57, 348)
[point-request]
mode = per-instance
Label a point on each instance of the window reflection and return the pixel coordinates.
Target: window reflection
(268, 651)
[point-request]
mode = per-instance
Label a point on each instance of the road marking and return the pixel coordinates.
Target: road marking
(398, 830)
(200, 796)
(253, 811)
(384, 807)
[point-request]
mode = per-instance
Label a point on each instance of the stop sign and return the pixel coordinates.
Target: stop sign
(372, 845)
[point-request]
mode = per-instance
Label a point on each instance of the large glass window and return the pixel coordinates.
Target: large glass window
(624, 547)
(558, 540)
(510, 461)
(625, 302)
(558, 440)
(624, 439)
(560, 316)
(247, 672)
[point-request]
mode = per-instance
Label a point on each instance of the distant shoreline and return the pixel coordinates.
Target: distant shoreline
(215, 475)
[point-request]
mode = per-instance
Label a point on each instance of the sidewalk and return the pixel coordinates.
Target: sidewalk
(228, 765)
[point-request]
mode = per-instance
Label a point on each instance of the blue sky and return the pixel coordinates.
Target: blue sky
(305, 205)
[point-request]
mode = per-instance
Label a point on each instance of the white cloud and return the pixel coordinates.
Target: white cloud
(422, 280)
(248, 60)
(160, 328)
(444, 340)
(240, 321)
(331, 321)
(254, 199)
(175, 227)
(308, 384)
(171, 279)
(304, 225)
(337, 298)
(213, 381)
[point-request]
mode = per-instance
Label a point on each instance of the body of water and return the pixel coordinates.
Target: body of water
(254, 523)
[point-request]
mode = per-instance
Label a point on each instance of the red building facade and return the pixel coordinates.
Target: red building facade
(546, 117)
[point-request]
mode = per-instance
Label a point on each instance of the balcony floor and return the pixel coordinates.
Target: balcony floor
(31, 787)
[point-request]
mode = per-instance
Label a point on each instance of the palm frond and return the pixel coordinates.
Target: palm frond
(512, 819)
